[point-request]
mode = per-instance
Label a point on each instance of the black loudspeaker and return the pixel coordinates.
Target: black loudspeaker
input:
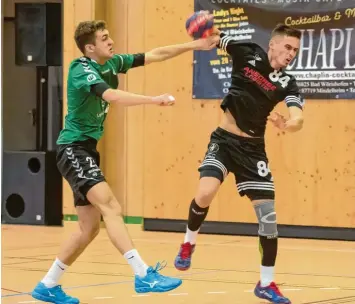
(49, 107)
(38, 34)
(31, 189)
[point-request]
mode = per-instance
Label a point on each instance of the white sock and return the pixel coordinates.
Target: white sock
(266, 275)
(133, 258)
(191, 236)
(54, 273)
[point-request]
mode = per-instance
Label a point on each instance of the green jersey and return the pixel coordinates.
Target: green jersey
(86, 111)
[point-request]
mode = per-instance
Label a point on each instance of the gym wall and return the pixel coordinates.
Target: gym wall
(151, 154)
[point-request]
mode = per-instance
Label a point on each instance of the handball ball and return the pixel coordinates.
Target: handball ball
(199, 25)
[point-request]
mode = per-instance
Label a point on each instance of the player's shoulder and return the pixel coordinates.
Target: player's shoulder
(120, 59)
(250, 44)
(224, 36)
(252, 47)
(292, 87)
(82, 62)
(81, 65)
(292, 78)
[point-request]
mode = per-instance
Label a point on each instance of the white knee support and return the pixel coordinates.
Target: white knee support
(266, 214)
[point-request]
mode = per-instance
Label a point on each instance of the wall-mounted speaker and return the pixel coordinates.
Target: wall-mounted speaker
(38, 34)
(31, 189)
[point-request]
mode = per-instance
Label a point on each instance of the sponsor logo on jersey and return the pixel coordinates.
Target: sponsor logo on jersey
(259, 79)
(91, 77)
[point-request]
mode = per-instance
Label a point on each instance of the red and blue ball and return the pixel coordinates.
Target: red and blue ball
(200, 25)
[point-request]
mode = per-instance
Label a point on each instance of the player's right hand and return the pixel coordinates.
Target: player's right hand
(206, 44)
(278, 120)
(164, 100)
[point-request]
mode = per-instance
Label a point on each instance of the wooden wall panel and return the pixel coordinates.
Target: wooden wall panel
(114, 156)
(134, 131)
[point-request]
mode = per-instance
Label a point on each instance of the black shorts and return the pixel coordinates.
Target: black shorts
(245, 158)
(79, 163)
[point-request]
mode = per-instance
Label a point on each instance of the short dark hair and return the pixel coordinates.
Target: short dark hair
(85, 32)
(285, 30)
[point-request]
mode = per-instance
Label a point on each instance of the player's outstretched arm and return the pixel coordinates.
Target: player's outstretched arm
(131, 99)
(167, 52)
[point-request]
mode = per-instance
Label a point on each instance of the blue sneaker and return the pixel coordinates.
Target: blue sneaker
(52, 295)
(271, 293)
(155, 282)
(183, 259)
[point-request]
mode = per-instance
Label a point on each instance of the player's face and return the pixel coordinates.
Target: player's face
(284, 49)
(103, 45)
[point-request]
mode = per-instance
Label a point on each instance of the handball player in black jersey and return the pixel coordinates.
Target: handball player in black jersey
(259, 83)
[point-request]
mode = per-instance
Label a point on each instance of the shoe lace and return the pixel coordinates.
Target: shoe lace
(159, 266)
(186, 249)
(274, 287)
(60, 290)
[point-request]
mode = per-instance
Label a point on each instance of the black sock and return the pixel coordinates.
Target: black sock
(268, 250)
(196, 216)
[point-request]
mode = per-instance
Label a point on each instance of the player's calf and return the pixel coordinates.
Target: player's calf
(265, 211)
(268, 242)
(199, 207)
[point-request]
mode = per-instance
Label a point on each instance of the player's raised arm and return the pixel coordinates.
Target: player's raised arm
(167, 52)
(198, 27)
(229, 43)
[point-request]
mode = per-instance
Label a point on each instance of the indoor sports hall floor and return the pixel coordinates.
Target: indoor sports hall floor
(225, 268)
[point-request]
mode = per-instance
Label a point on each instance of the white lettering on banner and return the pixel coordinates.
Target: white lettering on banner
(323, 75)
(339, 42)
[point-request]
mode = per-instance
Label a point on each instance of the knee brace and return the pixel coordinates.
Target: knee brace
(266, 214)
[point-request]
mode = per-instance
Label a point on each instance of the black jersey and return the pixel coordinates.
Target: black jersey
(256, 88)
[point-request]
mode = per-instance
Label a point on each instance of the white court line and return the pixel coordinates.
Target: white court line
(102, 298)
(292, 289)
(216, 292)
(138, 296)
(329, 288)
(178, 294)
(28, 302)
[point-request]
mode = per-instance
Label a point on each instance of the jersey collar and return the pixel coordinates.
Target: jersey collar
(88, 58)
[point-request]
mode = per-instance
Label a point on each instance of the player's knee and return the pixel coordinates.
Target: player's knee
(102, 197)
(110, 207)
(203, 198)
(265, 211)
(205, 195)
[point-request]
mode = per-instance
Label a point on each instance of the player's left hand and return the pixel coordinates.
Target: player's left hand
(206, 44)
(164, 100)
(278, 120)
